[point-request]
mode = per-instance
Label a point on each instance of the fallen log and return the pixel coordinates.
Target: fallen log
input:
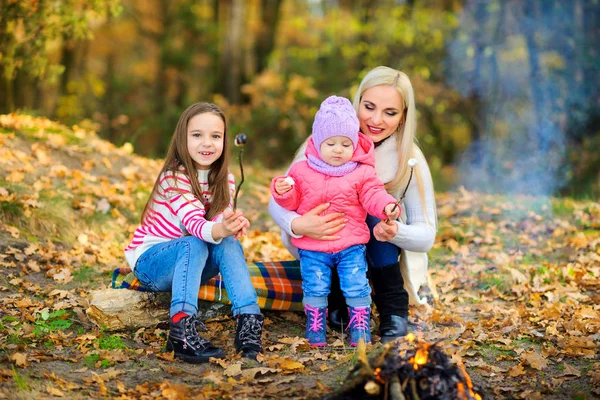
(121, 309)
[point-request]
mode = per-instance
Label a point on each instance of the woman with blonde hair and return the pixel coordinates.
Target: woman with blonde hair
(385, 107)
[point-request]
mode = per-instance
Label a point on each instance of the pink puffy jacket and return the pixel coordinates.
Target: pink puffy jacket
(354, 194)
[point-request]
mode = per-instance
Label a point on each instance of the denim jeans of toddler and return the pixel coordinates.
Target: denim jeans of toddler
(317, 268)
(181, 265)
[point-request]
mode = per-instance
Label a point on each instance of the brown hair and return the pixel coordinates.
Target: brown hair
(178, 156)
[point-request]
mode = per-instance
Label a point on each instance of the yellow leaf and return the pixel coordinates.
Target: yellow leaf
(251, 372)
(173, 391)
(233, 370)
(64, 276)
(580, 241)
(14, 232)
(569, 370)
(127, 148)
(20, 359)
(517, 370)
(15, 177)
(54, 391)
(286, 364)
(83, 239)
(518, 276)
(534, 359)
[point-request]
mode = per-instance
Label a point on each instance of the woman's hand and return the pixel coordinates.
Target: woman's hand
(384, 232)
(316, 226)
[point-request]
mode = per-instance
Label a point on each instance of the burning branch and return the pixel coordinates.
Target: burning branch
(410, 369)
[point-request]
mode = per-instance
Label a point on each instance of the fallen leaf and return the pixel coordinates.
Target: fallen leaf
(251, 372)
(233, 370)
(20, 359)
(534, 359)
(54, 391)
(569, 370)
(517, 370)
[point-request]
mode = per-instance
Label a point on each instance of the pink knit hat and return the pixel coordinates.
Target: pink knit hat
(336, 117)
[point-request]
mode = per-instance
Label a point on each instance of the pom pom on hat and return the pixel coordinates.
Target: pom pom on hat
(336, 117)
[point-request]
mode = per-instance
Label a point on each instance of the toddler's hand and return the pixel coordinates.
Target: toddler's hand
(283, 185)
(392, 215)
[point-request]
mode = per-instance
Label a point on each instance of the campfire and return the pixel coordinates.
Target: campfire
(410, 369)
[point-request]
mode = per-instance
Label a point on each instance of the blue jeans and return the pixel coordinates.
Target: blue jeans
(181, 265)
(380, 254)
(317, 267)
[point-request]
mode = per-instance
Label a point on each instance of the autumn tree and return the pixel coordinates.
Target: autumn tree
(28, 29)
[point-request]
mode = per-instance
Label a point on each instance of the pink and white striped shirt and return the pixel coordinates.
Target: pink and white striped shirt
(174, 213)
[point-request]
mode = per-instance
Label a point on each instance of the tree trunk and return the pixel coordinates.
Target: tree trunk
(110, 106)
(269, 14)
(230, 71)
(67, 60)
(536, 78)
(478, 97)
(160, 89)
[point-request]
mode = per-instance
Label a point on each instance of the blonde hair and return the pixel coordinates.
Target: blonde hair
(406, 142)
(406, 145)
(178, 159)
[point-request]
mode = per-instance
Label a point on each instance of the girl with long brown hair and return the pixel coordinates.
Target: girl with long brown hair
(187, 235)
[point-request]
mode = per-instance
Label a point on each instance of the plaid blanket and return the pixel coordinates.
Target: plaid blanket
(278, 285)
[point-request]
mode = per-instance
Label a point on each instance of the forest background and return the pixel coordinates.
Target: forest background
(507, 96)
(507, 91)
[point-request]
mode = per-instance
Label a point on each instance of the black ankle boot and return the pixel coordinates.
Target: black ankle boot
(337, 318)
(391, 300)
(392, 327)
(188, 345)
(248, 333)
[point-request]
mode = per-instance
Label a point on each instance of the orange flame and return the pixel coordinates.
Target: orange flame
(467, 380)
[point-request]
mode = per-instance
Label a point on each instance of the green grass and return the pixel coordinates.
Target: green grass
(112, 342)
(85, 274)
(15, 338)
(494, 279)
(91, 360)
(48, 322)
(10, 211)
(20, 380)
(562, 207)
(51, 220)
(492, 351)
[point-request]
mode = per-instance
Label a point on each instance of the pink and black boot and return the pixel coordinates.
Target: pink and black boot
(358, 325)
(315, 325)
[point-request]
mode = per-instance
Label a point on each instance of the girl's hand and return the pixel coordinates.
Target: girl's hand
(282, 186)
(244, 230)
(316, 226)
(384, 232)
(392, 215)
(230, 225)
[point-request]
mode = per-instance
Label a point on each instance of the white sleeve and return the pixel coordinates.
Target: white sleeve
(418, 233)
